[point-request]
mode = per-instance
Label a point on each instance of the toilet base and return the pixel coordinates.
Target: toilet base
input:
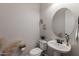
(56, 53)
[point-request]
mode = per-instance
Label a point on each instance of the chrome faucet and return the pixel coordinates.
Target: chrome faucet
(67, 38)
(59, 41)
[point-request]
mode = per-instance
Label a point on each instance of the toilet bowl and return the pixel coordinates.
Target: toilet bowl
(38, 50)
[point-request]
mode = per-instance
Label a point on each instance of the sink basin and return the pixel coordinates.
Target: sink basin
(61, 48)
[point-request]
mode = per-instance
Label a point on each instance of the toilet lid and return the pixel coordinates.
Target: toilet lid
(35, 51)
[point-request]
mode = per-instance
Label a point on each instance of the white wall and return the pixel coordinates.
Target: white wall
(47, 12)
(20, 22)
(44, 7)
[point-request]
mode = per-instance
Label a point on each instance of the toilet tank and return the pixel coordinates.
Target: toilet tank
(43, 44)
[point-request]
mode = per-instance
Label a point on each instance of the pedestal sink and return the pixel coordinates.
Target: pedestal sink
(59, 48)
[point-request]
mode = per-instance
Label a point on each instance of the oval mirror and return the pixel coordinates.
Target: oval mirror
(63, 22)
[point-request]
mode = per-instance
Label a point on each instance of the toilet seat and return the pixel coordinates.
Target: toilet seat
(36, 52)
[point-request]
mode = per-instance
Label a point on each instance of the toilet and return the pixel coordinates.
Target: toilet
(38, 50)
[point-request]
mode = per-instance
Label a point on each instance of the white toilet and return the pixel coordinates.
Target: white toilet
(37, 51)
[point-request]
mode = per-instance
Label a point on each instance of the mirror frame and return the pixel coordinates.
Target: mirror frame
(64, 30)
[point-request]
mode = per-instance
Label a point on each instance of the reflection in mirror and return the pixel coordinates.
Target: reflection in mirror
(77, 32)
(63, 22)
